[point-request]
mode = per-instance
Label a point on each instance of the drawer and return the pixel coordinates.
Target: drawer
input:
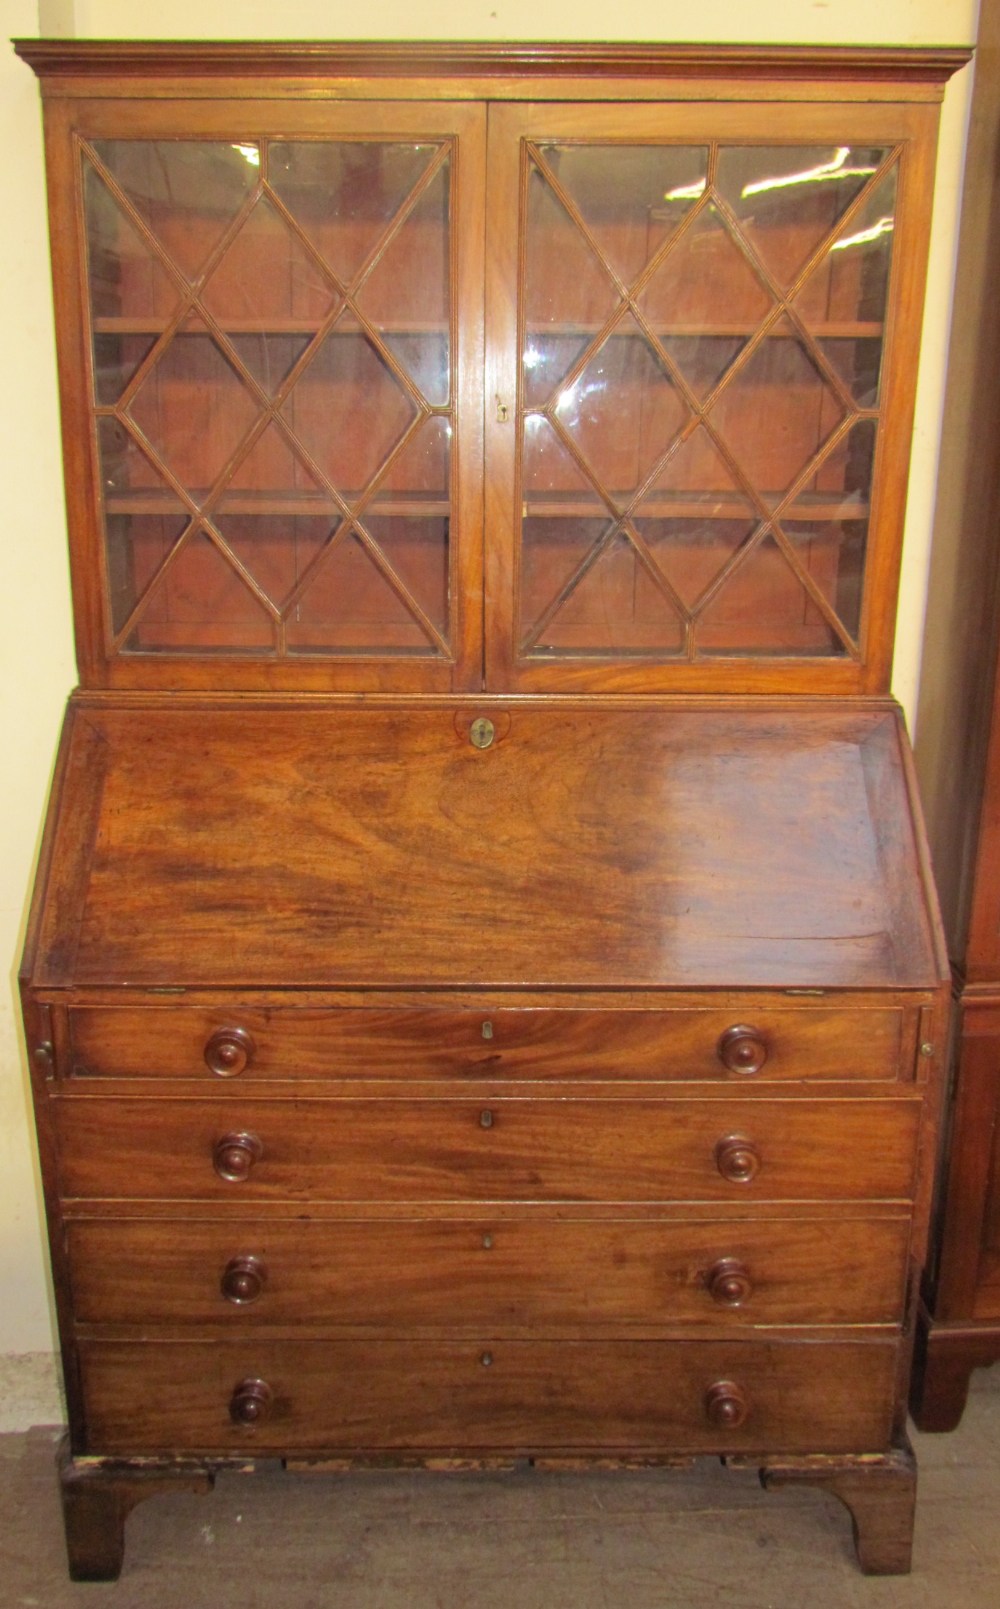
(512, 1149)
(488, 1277)
(821, 1041)
(515, 1397)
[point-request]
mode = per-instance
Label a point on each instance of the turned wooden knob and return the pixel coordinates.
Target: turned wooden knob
(243, 1280)
(737, 1159)
(726, 1405)
(251, 1402)
(742, 1049)
(729, 1282)
(228, 1051)
(235, 1154)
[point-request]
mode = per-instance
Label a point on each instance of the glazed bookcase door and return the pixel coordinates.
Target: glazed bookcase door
(700, 388)
(283, 379)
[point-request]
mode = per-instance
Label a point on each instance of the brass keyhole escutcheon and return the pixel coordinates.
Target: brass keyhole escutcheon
(482, 732)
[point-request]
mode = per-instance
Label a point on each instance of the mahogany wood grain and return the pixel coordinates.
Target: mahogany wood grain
(878, 1493)
(813, 65)
(531, 1396)
(486, 1275)
(97, 1500)
(811, 1040)
(546, 1148)
(607, 849)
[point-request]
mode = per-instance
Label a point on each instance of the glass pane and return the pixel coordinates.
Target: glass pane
(409, 518)
(421, 472)
(763, 608)
(348, 606)
(266, 273)
(125, 277)
(270, 359)
(187, 192)
(691, 552)
(789, 198)
(137, 546)
(551, 480)
(193, 408)
(833, 552)
(623, 411)
(547, 361)
(277, 549)
(407, 297)
(200, 602)
(348, 408)
(851, 281)
(858, 362)
(602, 613)
(273, 469)
(125, 468)
(116, 359)
(345, 194)
(706, 278)
(842, 485)
(566, 282)
(630, 198)
(776, 412)
(696, 479)
(553, 551)
(704, 300)
(416, 546)
(844, 300)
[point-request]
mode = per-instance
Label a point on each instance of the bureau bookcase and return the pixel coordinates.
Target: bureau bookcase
(484, 988)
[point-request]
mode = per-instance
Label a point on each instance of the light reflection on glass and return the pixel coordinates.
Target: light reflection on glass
(686, 192)
(834, 169)
(884, 226)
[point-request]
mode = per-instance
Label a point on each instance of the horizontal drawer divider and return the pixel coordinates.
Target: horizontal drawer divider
(465, 1334)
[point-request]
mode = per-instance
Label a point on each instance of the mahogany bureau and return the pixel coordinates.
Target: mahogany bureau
(484, 987)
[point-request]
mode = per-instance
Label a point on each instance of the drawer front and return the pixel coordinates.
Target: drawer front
(485, 1277)
(746, 1042)
(482, 1396)
(510, 1149)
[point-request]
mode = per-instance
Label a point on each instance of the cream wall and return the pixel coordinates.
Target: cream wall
(36, 666)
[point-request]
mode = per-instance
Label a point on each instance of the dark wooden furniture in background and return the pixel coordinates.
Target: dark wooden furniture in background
(484, 984)
(959, 1326)
(958, 759)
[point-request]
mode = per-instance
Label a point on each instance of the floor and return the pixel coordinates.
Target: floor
(670, 1540)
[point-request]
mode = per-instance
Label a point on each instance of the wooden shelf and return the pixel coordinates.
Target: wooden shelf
(693, 507)
(716, 329)
(295, 505)
(834, 329)
(122, 324)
